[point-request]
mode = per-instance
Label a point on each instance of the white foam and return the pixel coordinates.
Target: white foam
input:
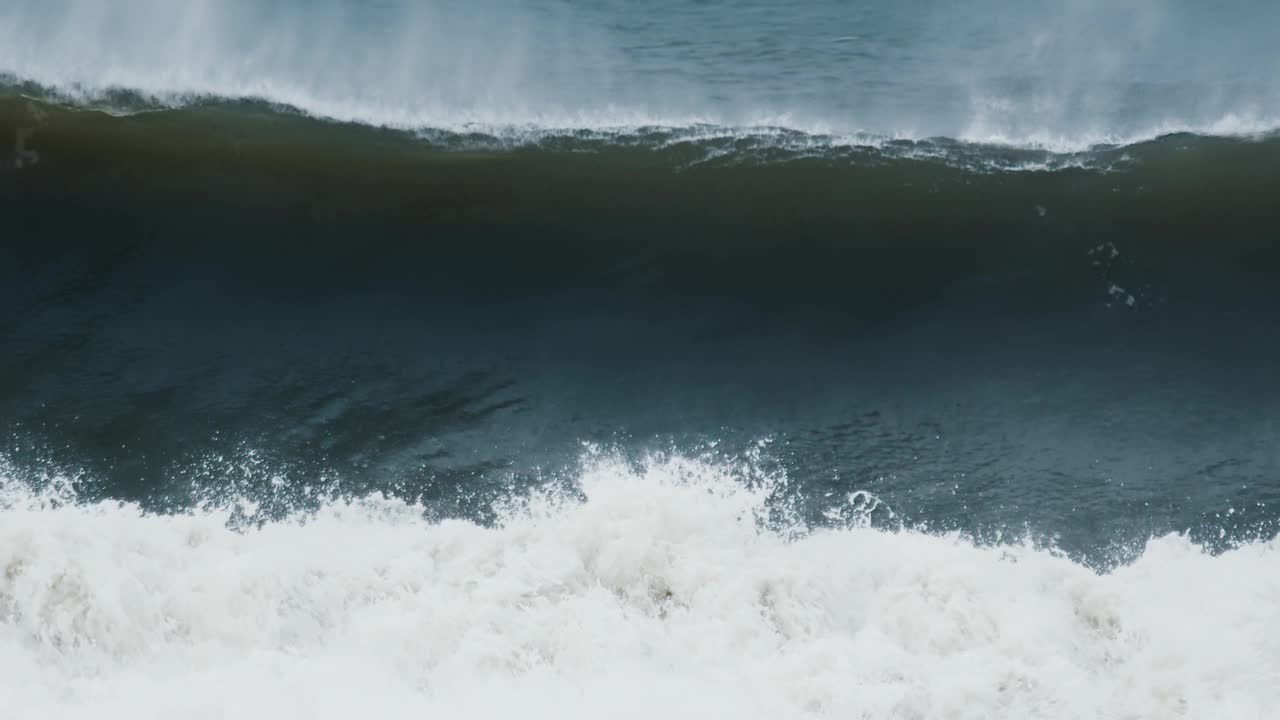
(1228, 124)
(659, 595)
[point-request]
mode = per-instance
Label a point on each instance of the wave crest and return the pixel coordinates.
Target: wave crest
(977, 145)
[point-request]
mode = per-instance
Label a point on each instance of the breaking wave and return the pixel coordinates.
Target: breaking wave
(664, 587)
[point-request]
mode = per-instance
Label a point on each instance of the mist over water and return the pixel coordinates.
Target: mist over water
(1058, 75)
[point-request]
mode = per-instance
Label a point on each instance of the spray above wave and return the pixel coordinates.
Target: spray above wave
(1035, 79)
(502, 130)
(690, 142)
(662, 590)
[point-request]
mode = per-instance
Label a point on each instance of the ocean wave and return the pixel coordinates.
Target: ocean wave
(507, 129)
(657, 588)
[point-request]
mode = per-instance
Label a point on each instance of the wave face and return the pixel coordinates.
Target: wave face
(993, 340)
(664, 590)
(1047, 74)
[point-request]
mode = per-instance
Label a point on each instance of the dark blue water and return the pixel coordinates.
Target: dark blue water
(230, 300)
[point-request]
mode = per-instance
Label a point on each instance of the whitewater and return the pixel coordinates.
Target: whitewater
(657, 588)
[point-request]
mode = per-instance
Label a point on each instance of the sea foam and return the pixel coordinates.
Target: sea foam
(661, 588)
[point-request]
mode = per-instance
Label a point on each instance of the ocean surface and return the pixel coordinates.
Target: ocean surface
(689, 359)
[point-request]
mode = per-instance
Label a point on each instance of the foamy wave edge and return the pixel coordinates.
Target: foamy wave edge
(520, 127)
(656, 587)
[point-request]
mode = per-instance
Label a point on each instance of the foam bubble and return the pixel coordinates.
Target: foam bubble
(664, 590)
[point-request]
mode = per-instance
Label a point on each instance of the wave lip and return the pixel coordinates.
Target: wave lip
(685, 145)
(976, 145)
(659, 592)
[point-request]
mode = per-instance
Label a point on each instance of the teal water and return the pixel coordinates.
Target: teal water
(232, 301)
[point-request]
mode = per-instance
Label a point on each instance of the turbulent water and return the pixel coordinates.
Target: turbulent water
(733, 359)
(658, 593)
